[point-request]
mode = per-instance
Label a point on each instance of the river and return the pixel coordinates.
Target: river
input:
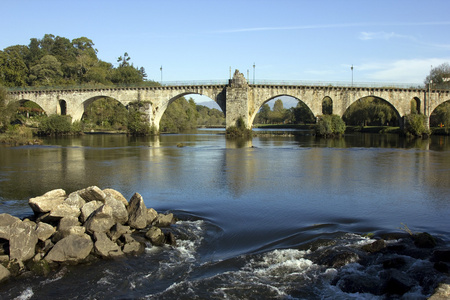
(251, 211)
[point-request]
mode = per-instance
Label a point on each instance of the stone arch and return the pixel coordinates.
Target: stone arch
(327, 106)
(437, 115)
(370, 97)
(29, 110)
(253, 114)
(78, 111)
(62, 107)
(415, 106)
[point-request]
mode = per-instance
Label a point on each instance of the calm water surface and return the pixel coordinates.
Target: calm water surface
(250, 209)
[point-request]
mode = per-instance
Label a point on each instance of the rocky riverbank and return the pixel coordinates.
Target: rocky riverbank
(83, 226)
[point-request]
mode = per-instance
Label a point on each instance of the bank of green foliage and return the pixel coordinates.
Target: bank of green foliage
(58, 61)
(301, 114)
(182, 115)
(239, 130)
(371, 111)
(415, 125)
(105, 114)
(441, 118)
(330, 126)
(54, 125)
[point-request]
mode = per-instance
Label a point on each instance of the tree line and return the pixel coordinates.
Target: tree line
(58, 61)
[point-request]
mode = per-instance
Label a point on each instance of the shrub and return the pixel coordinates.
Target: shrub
(415, 125)
(137, 126)
(55, 125)
(330, 126)
(240, 130)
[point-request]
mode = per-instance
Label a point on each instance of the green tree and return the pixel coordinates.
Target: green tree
(415, 125)
(180, 115)
(13, 69)
(7, 109)
(330, 126)
(47, 71)
(440, 77)
(302, 114)
(371, 111)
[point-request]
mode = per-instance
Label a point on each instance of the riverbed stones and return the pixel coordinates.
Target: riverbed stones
(22, 242)
(100, 220)
(5, 225)
(155, 235)
(92, 193)
(117, 195)
(88, 209)
(44, 231)
(72, 248)
(137, 212)
(86, 224)
(48, 201)
(4, 273)
(104, 247)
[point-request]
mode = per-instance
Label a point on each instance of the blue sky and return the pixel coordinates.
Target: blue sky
(385, 41)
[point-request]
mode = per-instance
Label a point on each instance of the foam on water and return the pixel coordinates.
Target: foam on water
(27, 294)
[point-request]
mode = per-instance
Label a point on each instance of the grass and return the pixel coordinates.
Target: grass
(19, 135)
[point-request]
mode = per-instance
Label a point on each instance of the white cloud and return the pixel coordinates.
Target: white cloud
(404, 71)
(365, 36)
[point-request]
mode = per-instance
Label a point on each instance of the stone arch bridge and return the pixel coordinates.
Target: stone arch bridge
(237, 98)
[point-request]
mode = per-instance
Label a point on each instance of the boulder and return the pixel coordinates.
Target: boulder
(44, 231)
(4, 273)
(68, 226)
(151, 216)
(48, 201)
(92, 193)
(22, 242)
(101, 220)
(64, 210)
(155, 235)
(75, 200)
(119, 211)
(88, 209)
(117, 195)
(424, 240)
(164, 220)
(6, 221)
(137, 212)
(131, 245)
(376, 246)
(117, 231)
(72, 248)
(398, 283)
(105, 247)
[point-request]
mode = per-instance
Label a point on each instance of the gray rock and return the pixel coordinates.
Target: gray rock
(92, 193)
(66, 227)
(117, 195)
(88, 209)
(105, 247)
(151, 216)
(117, 231)
(22, 242)
(75, 200)
(44, 231)
(4, 273)
(72, 248)
(65, 210)
(119, 211)
(155, 235)
(132, 246)
(137, 212)
(6, 221)
(164, 220)
(48, 201)
(101, 220)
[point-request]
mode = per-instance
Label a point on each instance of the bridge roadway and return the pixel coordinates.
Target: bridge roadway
(237, 98)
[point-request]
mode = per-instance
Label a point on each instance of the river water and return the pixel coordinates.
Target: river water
(251, 211)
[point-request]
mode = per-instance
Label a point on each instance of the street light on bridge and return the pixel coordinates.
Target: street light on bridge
(352, 75)
(253, 73)
(161, 74)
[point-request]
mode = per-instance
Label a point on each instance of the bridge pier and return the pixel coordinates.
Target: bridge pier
(237, 105)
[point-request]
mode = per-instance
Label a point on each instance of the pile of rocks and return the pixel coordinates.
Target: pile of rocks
(87, 224)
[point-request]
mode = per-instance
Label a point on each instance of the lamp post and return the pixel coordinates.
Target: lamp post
(161, 74)
(248, 79)
(253, 73)
(352, 74)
